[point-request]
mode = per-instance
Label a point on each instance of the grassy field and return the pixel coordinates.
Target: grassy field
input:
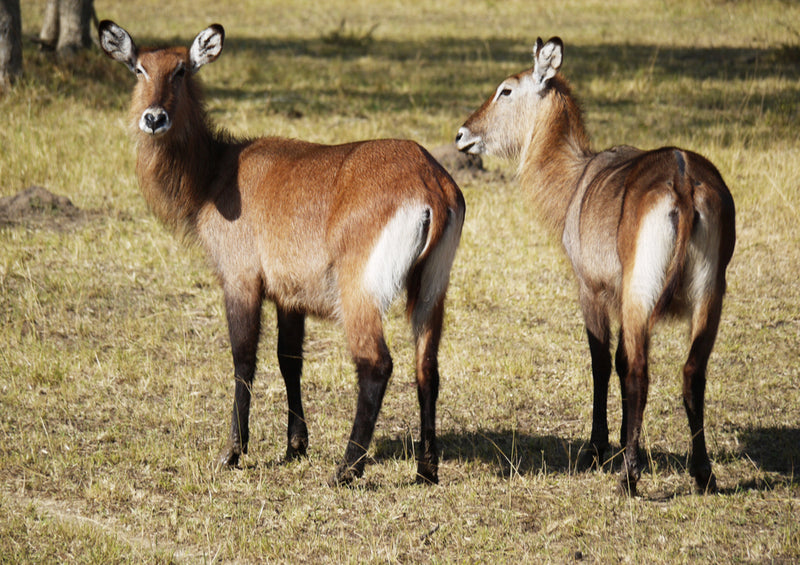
(115, 370)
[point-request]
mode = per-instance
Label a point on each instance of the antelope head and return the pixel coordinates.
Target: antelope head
(504, 123)
(164, 89)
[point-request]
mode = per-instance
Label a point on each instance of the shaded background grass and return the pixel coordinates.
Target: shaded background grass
(115, 377)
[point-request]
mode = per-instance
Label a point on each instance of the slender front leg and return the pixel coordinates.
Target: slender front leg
(601, 373)
(291, 330)
(243, 310)
(427, 351)
(597, 331)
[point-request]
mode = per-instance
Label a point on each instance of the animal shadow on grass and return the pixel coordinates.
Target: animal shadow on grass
(511, 453)
(776, 453)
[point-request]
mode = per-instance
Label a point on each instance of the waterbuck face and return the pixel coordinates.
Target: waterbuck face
(498, 126)
(162, 74)
(160, 89)
(503, 124)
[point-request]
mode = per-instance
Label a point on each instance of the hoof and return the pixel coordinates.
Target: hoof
(626, 487)
(706, 483)
(427, 473)
(229, 457)
(346, 475)
(627, 482)
(592, 458)
(297, 447)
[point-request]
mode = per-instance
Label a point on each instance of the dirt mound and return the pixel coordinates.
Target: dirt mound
(456, 162)
(37, 205)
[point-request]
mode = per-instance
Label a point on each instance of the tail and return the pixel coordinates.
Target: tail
(428, 279)
(683, 220)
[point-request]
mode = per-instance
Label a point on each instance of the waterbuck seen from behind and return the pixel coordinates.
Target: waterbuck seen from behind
(649, 234)
(329, 231)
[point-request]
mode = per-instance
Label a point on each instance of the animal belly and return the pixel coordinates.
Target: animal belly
(315, 292)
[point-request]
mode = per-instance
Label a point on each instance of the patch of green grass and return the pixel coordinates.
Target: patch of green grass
(115, 369)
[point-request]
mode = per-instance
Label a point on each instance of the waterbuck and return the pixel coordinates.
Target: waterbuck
(330, 231)
(649, 234)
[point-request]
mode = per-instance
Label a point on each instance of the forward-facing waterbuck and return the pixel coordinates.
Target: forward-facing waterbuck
(649, 234)
(330, 231)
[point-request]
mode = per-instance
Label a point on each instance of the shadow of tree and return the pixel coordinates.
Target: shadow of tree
(724, 63)
(456, 74)
(443, 74)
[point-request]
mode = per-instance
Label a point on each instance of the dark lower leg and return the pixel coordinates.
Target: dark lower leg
(244, 325)
(373, 378)
(239, 431)
(291, 330)
(428, 457)
(621, 362)
(705, 323)
(694, 385)
(427, 393)
(636, 398)
(601, 372)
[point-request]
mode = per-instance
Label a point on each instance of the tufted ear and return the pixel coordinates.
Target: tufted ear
(206, 47)
(117, 44)
(547, 59)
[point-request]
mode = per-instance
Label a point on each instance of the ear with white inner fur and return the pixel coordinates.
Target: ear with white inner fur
(117, 44)
(547, 59)
(206, 47)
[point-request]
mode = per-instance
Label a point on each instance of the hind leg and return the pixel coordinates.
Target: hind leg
(427, 367)
(705, 322)
(291, 330)
(621, 363)
(373, 368)
(635, 389)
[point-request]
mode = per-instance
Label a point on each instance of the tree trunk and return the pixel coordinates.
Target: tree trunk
(10, 42)
(67, 25)
(49, 34)
(74, 25)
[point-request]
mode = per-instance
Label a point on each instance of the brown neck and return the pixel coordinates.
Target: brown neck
(554, 159)
(176, 170)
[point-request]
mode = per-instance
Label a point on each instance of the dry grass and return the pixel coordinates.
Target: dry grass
(115, 377)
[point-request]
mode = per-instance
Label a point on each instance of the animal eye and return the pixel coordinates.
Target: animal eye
(179, 72)
(505, 92)
(139, 71)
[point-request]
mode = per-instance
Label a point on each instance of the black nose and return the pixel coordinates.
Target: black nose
(459, 135)
(153, 122)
